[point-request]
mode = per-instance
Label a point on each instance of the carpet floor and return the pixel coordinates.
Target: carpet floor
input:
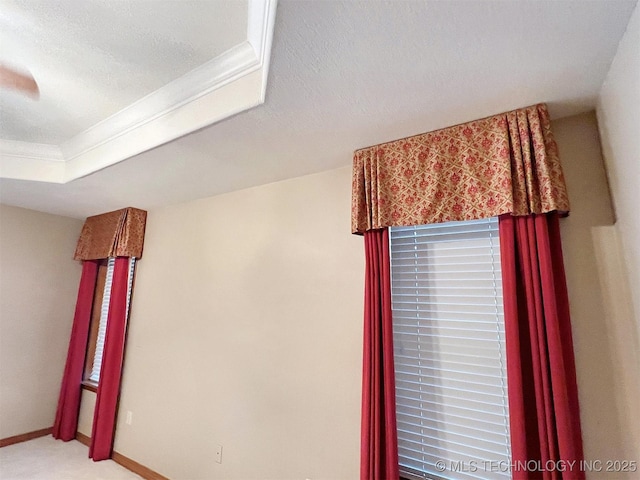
(47, 459)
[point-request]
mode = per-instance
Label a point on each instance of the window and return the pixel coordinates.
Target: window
(100, 314)
(449, 341)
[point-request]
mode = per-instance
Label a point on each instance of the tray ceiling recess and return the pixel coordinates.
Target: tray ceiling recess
(229, 83)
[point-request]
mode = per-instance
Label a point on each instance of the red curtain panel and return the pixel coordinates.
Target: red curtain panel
(66, 421)
(379, 441)
(543, 396)
(104, 416)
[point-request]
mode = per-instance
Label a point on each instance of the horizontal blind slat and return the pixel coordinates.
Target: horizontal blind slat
(449, 345)
(104, 314)
(102, 327)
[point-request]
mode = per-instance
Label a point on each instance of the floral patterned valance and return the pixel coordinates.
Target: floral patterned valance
(507, 163)
(113, 234)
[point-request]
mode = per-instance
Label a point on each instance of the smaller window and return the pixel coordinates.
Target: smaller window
(99, 327)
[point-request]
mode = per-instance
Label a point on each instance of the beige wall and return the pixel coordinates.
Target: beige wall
(246, 328)
(608, 386)
(619, 119)
(38, 287)
(245, 331)
(85, 417)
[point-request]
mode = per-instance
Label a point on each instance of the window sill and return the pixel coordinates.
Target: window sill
(90, 385)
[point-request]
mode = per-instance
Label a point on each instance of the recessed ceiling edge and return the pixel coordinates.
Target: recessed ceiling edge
(231, 83)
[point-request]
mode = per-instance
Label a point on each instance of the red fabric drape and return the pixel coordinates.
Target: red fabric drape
(66, 421)
(543, 396)
(379, 441)
(104, 416)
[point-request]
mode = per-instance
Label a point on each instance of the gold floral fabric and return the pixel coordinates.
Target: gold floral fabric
(113, 234)
(507, 163)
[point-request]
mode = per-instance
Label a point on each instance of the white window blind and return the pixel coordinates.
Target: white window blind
(104, 313)
(451, 389)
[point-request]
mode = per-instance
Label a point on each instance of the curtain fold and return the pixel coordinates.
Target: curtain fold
(118, 234)
(543, 395)
(507, 163)
(104, 417)
(114, 234)
(379, 442)
(66, 421)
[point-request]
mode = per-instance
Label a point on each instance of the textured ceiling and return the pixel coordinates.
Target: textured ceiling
(93, 58)
(348, 74)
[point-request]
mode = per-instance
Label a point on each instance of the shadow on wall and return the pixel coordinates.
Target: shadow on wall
(602, 320)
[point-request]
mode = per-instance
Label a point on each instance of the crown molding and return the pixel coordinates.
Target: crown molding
(260, 27)
(231, 65)
(33, 151)
(31, 161)
(233, 82)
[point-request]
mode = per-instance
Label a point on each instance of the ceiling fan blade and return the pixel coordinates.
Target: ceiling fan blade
(22, 82)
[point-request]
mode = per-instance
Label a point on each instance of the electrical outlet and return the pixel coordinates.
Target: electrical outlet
(219, 454)
(129, 418)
